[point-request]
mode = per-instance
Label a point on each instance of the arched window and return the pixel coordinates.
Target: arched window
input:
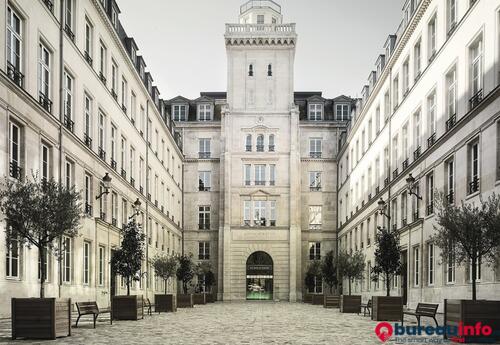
(260, 143)
(248, 143)
(271, 143)
(250, 70)
(269, 70)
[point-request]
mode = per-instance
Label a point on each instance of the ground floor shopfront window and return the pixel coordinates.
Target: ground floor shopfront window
(259, 276)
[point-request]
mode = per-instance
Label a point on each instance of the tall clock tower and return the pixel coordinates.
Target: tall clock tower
(259, 242)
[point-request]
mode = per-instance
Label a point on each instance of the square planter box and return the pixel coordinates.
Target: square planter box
(387, 308)
(41, 318)
(307, 298)
(331, 301)
(127, 308)
(200, 298)
(185, 300)
(317, 299)
(350, 304)
(211, 298)
(471, 312)
(165, 303)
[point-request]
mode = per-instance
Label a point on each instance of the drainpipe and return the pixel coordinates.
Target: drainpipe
(147, 199)
(61, 119)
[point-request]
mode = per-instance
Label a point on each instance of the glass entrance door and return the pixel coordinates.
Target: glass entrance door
(259, 277)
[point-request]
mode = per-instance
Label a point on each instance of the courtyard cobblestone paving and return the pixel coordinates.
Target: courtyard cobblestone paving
(226, 323)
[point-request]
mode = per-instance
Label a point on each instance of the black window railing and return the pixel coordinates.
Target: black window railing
(101, 153)
(114, 221)
(113, 93)
(315, 154)
(430, 209)
(45, 102)
(102, 77)
(141, 190)
(377, 189)
(68, 123)
(416, 216)
(476, 99)
(88, 209)
(417, 152)
(272, 223)
(15, 170)
(132, 181)
(87, 140)
(247, 183)
(315, 188)
(15, 75)
(405, 164)
(474, 185)
(149, 196)
(362, 203)
(162, 209)
(450, 123)
(404, 222)
(204, 225)
(369, 196)
(248, 148)
(202, 188)
(450, 197)
(113, 164)
(156, 203)
(386, 181)
(123, 173)
(260, 222)
(124, 108)
(271, 148)
(102, 215)
(395, 173)
(88, 58)
(431, 140)
(260, 183)
(260, 148)
(49, 4)
(69, 32)
(394, 227)
(204, 155)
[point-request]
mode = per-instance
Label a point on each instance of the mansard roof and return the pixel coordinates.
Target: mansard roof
(204, 99)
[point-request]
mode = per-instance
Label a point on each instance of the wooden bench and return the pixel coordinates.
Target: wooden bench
(423, 309)
(89, 308)
(367, 307)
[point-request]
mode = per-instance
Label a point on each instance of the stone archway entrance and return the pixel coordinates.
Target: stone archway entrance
(259, 274)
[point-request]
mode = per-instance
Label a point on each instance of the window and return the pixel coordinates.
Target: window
(204, 146)
(430, 193)
(406, 76)
(473, 166)
(204, 251)
(315, 112)
(13, 257)
(247, 168)
(149, 131)
(315, 180)
(68, 96)
(44, 62)
(260, 143)
(404, 208)
(431, 38)
(89, 33)
(87, 130)
(272, 213)
(431, 113)
(417, 132)
(114, 208)
(204, 112)
(451, 92)
(248, 143)
(45, 159)
(315, 147)
(416, 267)
(204, 217)
(342, 112)
(124, 94)
(204, 182)
(68, 14)
(314, 250)
(395, 92)
(86, 262)
(103, 56)
(179, 112)
(14, 45)
(404, 143)
(476, 68)
(271, 143)
(102, 263)
(272, 174)
(143, 120)
(69, 166)
(315, 217)
(387, 107)
(246, 212)
(450, 268)
(259, 212)
(88, 190)
(430, 264)
(318, 285)
(417, 59)
(132, 160)
(260, 19)
(66, 259)
(260, 174)
(451, 15)
(478, 270)
(450, 180)
(46, 265)
(395, 156)
(133, 106)
(370, 131)
(377, 120)
(114, 78)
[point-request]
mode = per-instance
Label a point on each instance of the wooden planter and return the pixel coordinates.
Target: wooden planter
(471, 312)
(127, 308)
(317, 299)
(165, 303)
(200, 298)
(307, 298)
(331, 301)
(350, 304)
(185, 300)
(387, 308)
(41, 318)
(211, 298)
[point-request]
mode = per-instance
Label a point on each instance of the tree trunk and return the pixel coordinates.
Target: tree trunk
(128, 286)
(387, 284)
(41, 255)
(474, 275)
(165, 284)
(349, 286)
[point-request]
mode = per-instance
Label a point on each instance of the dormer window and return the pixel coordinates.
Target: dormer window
(250, 70)
(260, 19)
(133, 55)
(204, 112)
(269, 70)
(114, 17)
(315, 112)
(342, 112)
(179, 112)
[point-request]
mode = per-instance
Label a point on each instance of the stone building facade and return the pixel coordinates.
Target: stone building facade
(76, 103)
(430, 109)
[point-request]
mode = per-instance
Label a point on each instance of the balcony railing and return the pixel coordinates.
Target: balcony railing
(260, 222)
(204, 226)
(416, 216)
(404, 222)
(450, 123)
(103, 216)
(395, 173)
(260, 148)
(113, 164)
(431, 140)
(386, 182)
(123, 173)
(149, 196)
(260, 183)
(113, 93)
(450, 197)
(377, 189)
(124, 108)
(69, 32)
(45, 102)
(15, 75)
(417, 152)
(88, 209)
(271, 148)
(156, 203)
(88, 58)
(247, 183)
(101, 153)
(68, 123)
(261, 29)
(474, 186)
(49, 4)
(15, 170)
(102, 77)
(369, 196)
(204, 188)
(394, 227)
(315, 154)
(141, 190)
(114, 221)
(405, 164)
(87, 140)
(132, 182)
(272, 183)
(248, 148)
(204, 155)
(476, 99)
(430, 209)
(315, 188)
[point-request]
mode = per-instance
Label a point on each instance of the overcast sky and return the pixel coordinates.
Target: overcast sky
(183, 46)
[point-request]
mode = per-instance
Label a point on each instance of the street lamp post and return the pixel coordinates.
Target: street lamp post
(106, 181)
(411, 186)
(136, 206)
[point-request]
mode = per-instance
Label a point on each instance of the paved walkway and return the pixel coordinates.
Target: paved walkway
(227, 323)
